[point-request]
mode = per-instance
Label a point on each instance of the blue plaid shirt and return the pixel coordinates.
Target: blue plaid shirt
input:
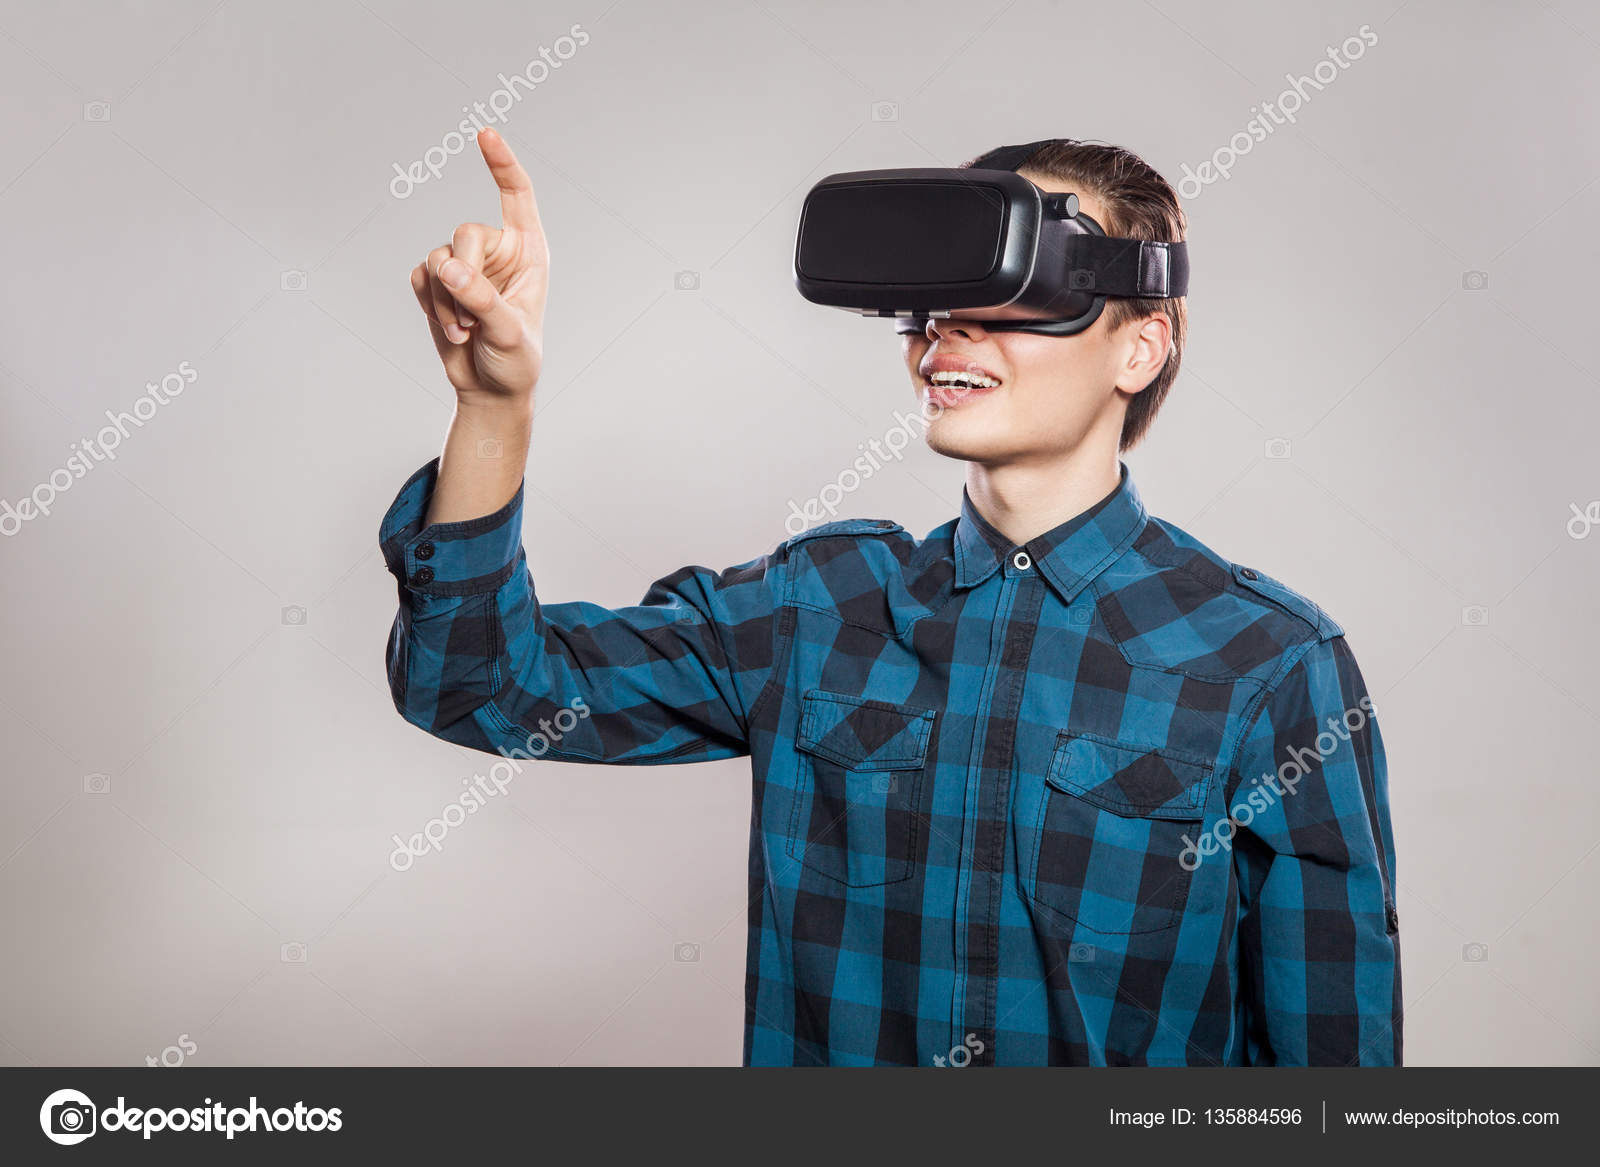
(1103, 798)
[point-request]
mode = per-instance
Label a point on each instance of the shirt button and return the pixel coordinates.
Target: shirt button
(422, 576)
(1021, 561)
(424, 551)
(1248, 574)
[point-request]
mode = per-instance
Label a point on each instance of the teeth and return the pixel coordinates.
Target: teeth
(965, 380)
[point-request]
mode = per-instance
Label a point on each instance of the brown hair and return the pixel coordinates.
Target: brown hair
(1139, 204)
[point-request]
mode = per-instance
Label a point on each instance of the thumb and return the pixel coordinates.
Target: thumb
(498, 322)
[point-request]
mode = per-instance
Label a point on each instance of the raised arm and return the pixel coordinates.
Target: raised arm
(473, 656)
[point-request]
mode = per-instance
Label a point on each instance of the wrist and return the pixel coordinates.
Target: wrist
(483, 460)
(495, 409)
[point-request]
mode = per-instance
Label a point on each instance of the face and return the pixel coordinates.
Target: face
(1035, 398)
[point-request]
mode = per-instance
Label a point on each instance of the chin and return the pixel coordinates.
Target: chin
(970, 443)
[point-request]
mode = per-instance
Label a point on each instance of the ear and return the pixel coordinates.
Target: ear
(1148, 341)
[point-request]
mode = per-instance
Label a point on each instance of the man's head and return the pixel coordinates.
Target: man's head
(1055, 394)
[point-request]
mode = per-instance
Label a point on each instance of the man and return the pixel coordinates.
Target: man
(1055, 784)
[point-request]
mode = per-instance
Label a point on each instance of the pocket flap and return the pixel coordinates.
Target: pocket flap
(863, 735)
(1131, 780)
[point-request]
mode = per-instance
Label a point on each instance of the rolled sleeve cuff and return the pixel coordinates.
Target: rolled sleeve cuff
(449, 559)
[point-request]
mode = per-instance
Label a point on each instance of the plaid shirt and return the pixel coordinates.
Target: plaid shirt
(1100, 799)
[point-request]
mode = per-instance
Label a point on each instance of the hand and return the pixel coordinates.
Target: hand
(484, 293)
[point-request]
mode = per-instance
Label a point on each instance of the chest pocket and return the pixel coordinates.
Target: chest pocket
(859, 790)
(1108, 835)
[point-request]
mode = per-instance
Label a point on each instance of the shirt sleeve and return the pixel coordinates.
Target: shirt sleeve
(1314, 854)
(476, 659)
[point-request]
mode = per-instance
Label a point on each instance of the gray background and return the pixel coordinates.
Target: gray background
(1439, 436)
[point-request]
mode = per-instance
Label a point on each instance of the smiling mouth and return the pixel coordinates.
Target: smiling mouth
(963, 380)
(953, 387)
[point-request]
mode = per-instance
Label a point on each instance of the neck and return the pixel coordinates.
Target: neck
(1023, 500)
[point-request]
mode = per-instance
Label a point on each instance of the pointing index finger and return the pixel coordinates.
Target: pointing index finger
(517, 208)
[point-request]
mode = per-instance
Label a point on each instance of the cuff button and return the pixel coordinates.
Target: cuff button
(422, 576)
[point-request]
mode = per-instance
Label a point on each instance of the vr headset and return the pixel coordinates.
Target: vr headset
(920, 243)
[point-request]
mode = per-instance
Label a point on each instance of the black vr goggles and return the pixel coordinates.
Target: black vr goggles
(920, 243)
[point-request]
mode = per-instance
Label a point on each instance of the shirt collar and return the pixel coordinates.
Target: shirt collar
(1070, 556)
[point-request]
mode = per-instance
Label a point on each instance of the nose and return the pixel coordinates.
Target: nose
(953, 328)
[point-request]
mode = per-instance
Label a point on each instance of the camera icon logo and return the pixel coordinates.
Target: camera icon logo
(294, 952)
(1080, 279)
(885, 111)
(97, 784)
(1475, 953)
(1278, 449)
(292, 280)
(294, 614)
(491, 448)
(97, 111)
(685, 953)
(67, 1117)
(1474, 281)
(1080, 954)
(686, 281)
(884, 784)
(1475, 616)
